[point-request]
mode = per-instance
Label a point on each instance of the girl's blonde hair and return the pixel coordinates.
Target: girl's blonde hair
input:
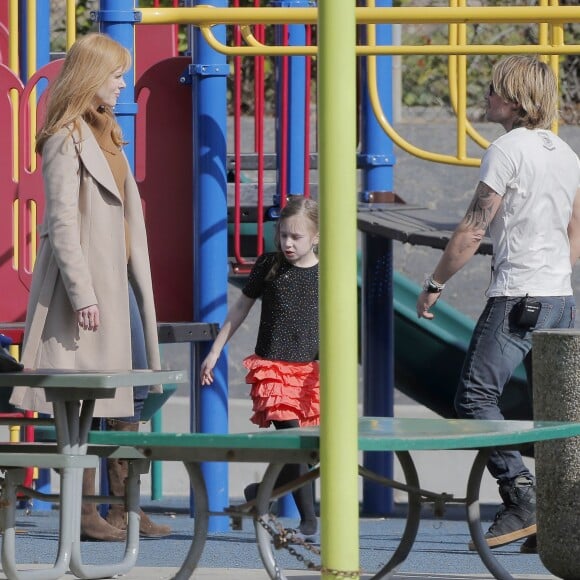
(531, 84)
(295, 205)
(88, 64)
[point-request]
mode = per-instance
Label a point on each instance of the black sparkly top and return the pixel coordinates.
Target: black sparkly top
(289, 318)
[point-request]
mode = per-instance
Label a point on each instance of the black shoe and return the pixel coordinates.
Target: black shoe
(530, 546)
(251, 491)
(517, 517)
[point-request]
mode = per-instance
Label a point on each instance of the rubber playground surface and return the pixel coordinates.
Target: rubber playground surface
(440, 550)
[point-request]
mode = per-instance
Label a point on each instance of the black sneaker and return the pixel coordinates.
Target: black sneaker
(530, 546)
(251, 491)
(517, 517)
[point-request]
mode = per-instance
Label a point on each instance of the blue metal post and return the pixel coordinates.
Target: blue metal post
(378, 363)
(42, 56)
(209, 70)
(377, 160)
(42, 33)
(117, 19)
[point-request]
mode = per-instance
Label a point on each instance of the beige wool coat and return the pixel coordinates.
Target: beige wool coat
(82, 261)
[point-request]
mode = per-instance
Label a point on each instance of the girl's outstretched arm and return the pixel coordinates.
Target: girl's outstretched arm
(236, 315)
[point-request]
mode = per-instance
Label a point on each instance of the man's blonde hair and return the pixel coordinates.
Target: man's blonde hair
(88, 64)
(531, 84)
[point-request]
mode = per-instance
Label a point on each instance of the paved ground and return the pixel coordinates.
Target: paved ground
(440, 550)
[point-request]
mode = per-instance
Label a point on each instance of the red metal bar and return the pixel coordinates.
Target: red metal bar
(259, 135)
(175, 4)
(237, 149)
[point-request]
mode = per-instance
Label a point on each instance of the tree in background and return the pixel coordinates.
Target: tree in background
(424, 77)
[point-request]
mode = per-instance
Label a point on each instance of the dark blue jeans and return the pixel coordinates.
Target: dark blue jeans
(138, 356)
(497, 347)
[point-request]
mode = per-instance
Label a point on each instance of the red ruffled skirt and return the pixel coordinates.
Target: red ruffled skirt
(282, 391)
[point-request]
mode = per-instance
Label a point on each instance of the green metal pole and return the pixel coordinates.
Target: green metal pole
(338, 288)
(157, 466)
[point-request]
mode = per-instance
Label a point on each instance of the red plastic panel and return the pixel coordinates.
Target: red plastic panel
(163, 159)
(3, 42)
(154, 43)
(4, 32)
(30, 186)
(163, 164)
(13, 294)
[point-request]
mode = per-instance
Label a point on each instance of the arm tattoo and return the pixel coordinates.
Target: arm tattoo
(479, 213)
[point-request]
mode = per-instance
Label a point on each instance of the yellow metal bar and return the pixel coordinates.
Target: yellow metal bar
(15, 236)
(14, 64)
(14, 433)
(31, 36)
(453, 83)
(475, 49)
(33, 225)
(71, 23)
(462, 91)
(13, 37)
(208, 15)
(32, 51)
(14, 430)
(375, 102)
(543, 28)
(557, 33)
(338, 289)
(256, 48)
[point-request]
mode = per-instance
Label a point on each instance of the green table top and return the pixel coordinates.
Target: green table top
(59, 378)
(375, 434)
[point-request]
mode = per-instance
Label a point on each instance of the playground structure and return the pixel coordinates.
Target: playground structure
(189, 283)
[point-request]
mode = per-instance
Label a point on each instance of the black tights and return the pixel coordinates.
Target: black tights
(303, 496)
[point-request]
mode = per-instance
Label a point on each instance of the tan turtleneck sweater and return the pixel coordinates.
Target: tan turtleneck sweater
(101, 126)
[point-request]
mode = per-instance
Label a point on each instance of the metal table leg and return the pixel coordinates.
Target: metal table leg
(73, 433)
(15, 477)
(474, 517)
(201, 522)
(413, 518)
(70, 441)
(262, 508)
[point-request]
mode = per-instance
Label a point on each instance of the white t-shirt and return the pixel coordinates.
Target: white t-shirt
(537, 174)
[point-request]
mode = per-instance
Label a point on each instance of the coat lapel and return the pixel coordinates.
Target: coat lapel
(95, 162)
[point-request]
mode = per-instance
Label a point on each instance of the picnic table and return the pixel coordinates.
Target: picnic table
(301, 445)
(73, 395)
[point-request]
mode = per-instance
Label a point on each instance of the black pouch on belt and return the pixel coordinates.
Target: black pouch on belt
(526, 312)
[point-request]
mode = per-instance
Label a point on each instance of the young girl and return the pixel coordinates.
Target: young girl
(283, 371)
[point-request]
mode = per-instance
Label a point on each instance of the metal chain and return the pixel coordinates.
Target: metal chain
(284, 539)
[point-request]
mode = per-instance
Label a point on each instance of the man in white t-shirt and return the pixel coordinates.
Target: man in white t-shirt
(528, 198)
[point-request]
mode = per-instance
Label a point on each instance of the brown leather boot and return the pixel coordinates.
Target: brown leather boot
(118, 471)
(93, 526)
